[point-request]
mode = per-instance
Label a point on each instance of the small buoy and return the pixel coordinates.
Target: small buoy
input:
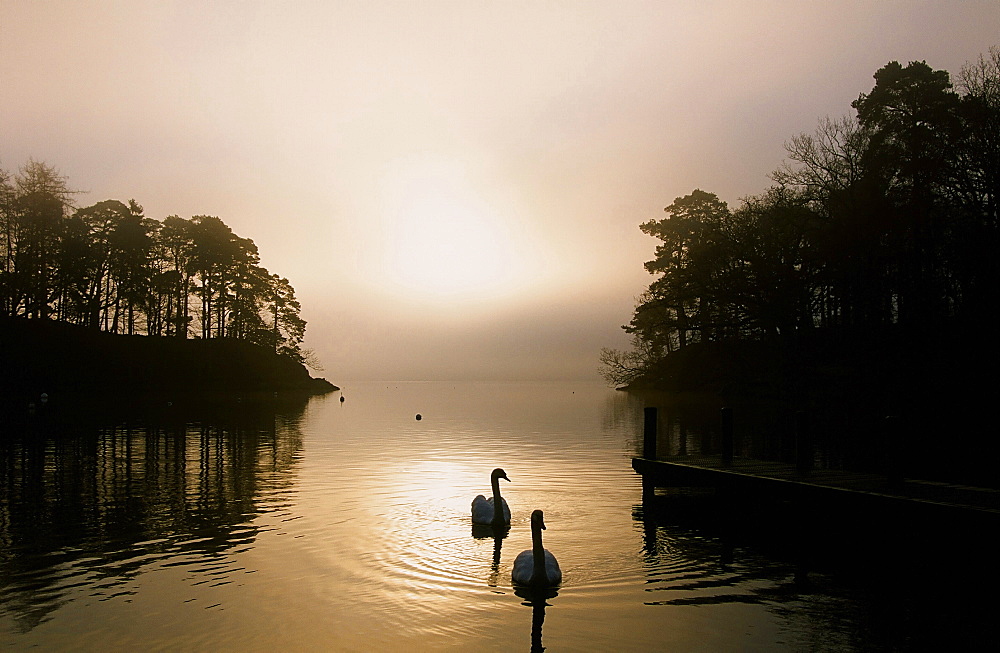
(342, 399)
(419, 417)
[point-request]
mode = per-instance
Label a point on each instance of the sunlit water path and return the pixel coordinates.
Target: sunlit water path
(345, 526)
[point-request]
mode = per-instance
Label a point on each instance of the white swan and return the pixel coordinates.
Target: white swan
(536, 567)
(482, 508)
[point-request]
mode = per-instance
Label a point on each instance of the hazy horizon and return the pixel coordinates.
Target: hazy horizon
(453, 189)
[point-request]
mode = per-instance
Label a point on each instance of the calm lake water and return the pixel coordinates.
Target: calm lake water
(345, 526)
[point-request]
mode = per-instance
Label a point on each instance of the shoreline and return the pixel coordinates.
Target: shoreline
(55, 358)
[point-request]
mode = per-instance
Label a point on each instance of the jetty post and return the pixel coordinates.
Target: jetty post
(893, 449)
(649, 432)
(726, 446)
(649, 453)
(803, 443)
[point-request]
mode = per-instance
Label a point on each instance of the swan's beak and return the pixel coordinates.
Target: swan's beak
(505, 478)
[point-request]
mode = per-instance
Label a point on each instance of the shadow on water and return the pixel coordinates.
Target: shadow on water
(893, 580)
(94, 491)
(840, 572)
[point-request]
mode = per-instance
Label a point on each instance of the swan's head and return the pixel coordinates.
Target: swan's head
(537, 520)
(499, 473)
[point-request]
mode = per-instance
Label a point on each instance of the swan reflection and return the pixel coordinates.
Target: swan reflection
(485, 531)
(537, 598)
(481, 532)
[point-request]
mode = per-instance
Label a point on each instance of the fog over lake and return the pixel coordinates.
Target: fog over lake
(453, 189)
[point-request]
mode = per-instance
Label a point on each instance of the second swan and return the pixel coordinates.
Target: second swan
(536, 567)
(483, 509)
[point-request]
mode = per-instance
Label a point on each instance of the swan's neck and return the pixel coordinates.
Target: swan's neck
(498, 517)
(538, 575)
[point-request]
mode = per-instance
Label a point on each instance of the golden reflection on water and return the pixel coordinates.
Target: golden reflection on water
(347, 527)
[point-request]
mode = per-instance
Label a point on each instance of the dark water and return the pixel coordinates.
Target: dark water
(345, 526)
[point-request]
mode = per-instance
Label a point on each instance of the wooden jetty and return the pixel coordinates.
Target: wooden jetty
(800, 481)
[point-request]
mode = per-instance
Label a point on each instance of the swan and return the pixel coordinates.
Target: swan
(536, 567)
(482, 508)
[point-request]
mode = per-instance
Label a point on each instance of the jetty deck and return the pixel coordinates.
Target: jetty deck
(803, 481)
(789, 481)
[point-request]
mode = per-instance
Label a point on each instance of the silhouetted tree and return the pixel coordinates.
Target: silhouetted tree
(214, 249)
(913, 116)
(176, 246)
(688, 259)
(34, 218)
(288, 326)
(619, 368)
(250, 288)
(771, 283)
(889, 218)
(849, 247)
(97, 285)
(8, 244)
(131, 244)
(977, 197)
(108, 266)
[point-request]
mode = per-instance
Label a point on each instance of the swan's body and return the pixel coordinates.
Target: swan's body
(536, 567)
(483, 511)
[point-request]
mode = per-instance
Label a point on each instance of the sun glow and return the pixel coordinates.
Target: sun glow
(445, 241)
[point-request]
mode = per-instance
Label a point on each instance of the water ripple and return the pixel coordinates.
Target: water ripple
(348, 528)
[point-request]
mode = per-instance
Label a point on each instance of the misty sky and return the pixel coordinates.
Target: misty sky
(453, 188)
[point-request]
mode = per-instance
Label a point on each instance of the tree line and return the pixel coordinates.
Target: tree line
(110, 267)
(884, 218)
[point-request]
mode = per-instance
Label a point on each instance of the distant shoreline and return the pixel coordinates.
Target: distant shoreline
(45, 356)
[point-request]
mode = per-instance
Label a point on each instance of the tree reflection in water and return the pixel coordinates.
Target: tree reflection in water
(881, 574)
(88, 503)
